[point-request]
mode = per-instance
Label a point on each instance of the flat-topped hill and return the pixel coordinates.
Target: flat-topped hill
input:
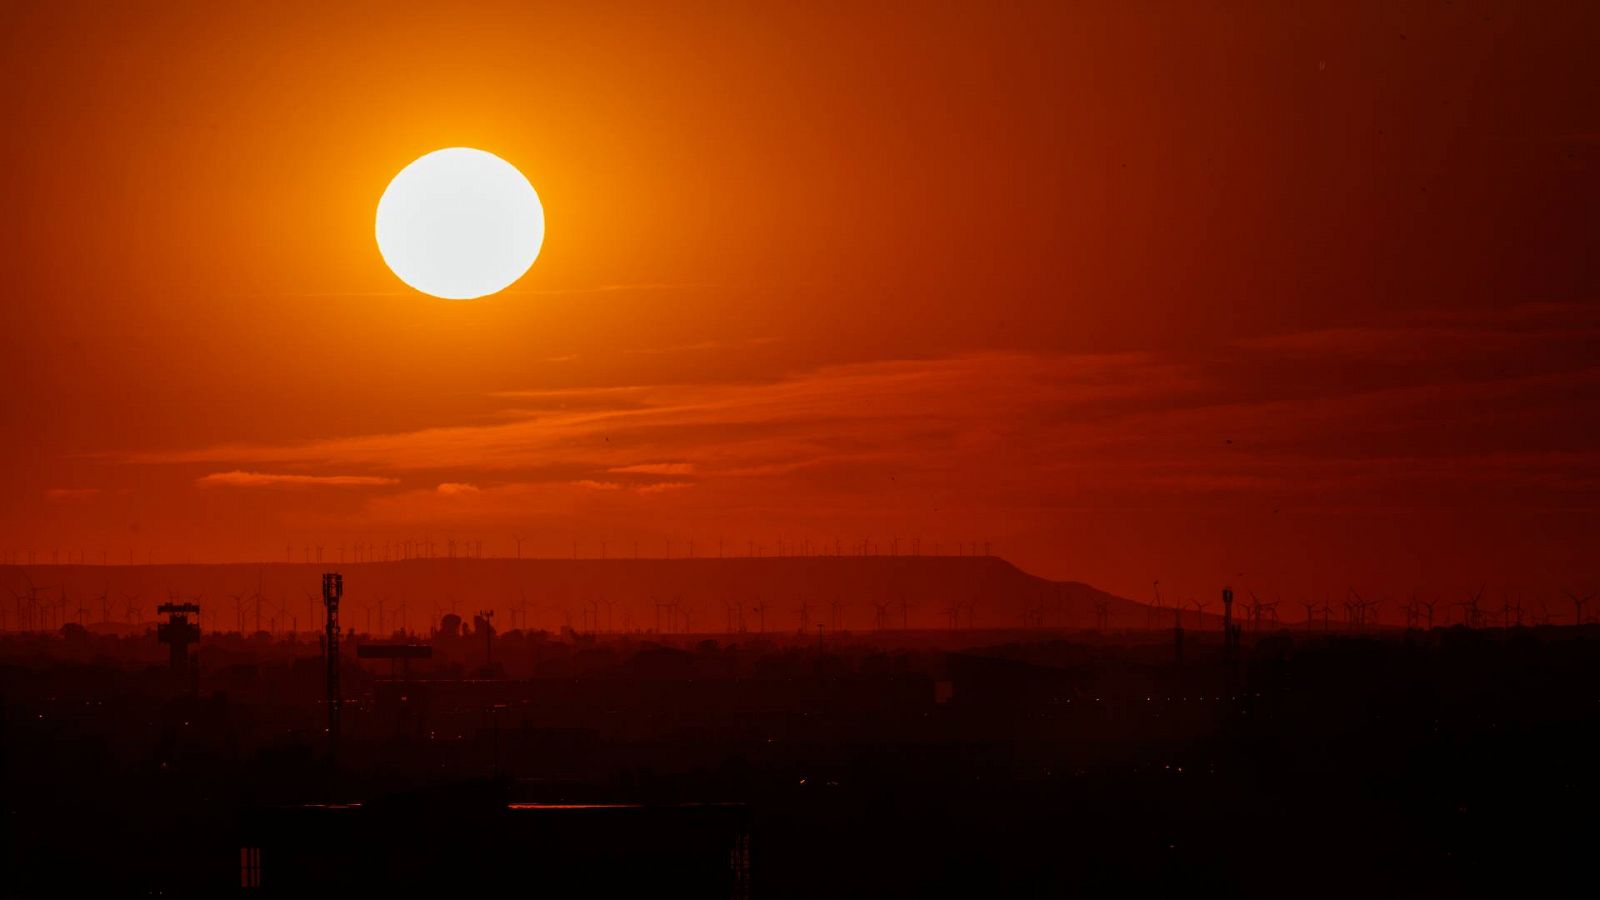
(682, 595)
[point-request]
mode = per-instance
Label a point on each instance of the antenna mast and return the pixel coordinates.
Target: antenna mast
(332, 590)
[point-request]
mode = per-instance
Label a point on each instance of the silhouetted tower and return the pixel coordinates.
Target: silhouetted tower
(1230, 641)
(332, 590)
(178, 632)
(481, 622)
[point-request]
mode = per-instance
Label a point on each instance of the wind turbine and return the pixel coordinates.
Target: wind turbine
(1375, 607)
(1429, 605)
(1102, 616)
(1254, 607)
(1271, 609)
(131, 608)
(37, 605)
(1032, 610)
(257, 599)
(880, 619)
(1470, 609)
(61, 607)
(1354, 610)
(285, 619)
(1577, 606)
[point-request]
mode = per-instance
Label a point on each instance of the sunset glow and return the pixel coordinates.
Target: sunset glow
(1118, 303)
(1040, 448)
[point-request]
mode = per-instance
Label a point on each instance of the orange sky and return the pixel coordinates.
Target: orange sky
(1174, 291)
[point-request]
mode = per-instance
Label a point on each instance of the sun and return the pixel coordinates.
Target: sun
(460, 223)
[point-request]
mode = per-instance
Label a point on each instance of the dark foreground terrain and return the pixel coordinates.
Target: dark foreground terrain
(1451, 762)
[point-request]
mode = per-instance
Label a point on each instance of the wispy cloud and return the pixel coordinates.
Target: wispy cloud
(663, 468)
(238, 478)
(71, 495)
(659, 487)
(1424, 410)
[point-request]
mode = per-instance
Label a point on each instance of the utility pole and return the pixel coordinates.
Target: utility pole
(1229, 637)
(332, 590)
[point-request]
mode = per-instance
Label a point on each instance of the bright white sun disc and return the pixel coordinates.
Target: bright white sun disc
(460, 223)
